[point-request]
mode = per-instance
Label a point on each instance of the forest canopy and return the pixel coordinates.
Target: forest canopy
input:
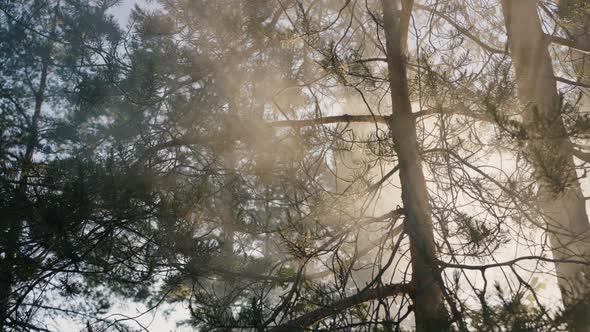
(295, 165)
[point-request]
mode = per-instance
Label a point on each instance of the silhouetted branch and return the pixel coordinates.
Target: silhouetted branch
(461, 29)
(343, 304)
(345, 118)
(584, 156)
(569, 43)
(512, 262)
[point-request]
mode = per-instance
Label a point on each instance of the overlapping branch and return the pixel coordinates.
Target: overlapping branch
(343, 304)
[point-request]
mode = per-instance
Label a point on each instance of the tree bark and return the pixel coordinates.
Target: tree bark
(429, 309)
(560, 197)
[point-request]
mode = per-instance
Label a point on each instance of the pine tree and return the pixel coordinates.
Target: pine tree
(48, 49)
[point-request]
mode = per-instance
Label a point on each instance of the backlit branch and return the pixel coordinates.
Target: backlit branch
(343, 304)
(345, 118)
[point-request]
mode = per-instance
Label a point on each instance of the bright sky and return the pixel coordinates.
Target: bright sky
(121, 12)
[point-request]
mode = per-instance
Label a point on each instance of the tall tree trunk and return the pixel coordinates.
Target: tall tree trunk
(429, 308)
(15, 223)
(560, 196)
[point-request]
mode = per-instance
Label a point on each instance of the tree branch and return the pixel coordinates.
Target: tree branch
(584, 156)
(570, 82)
(512, 262)
(458, 109)
(569, 43)
(383, 179)
(394, 232)
(461, 29)
(345, 118)
(343, 304)
(176, 142)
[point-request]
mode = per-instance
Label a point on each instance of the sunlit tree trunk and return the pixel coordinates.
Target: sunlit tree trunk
(428, 298)
(560, 196)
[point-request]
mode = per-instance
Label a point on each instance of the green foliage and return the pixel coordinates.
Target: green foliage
(512, 314)
(479, 237)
